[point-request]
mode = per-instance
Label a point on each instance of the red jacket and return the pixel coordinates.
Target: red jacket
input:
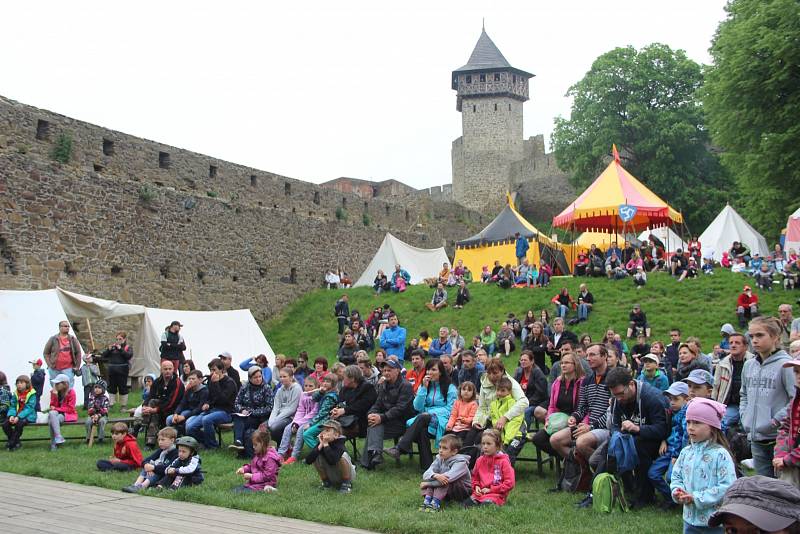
(787, 445)
(128, 451)
(493, 472)
(415, 378)
(746, 301)
(66, 406)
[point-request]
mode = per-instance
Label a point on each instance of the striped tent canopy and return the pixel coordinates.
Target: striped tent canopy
(597, 209)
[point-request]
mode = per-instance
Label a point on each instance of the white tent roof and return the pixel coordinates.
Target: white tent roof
(667, 235)
(29, 318)
(793, 232)
(420, 263)
(726, 228)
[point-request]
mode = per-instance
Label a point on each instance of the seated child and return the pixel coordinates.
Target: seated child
(147, 383)
(493, 477)
(652, 374)
(185, 470)
(502, 403)
(261, 474)
(155, 464)
(331, 460)
(306, 411)
(678, 395)
(21, 411)
(327, 398)
(97, 411)
(463, 412)
(127, 455)
(5, 397)
(448, 477)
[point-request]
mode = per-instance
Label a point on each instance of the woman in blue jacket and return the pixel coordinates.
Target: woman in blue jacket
(433, 402)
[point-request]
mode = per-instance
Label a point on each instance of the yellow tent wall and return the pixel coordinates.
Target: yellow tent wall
(476, 257)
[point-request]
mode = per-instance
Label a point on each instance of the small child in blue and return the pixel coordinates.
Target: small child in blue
(155, 465)
(185, 469)
(678, 395)
(705, 469)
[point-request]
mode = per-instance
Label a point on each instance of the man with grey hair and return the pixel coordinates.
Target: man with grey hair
(558, 337)
(356, 397)
(387, 417)
(441, 345)
(791, 326)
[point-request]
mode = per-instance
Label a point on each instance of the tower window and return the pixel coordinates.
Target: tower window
(212, 171)
(473, 108)
(509, 107)
(495, 107)
(483, 77)
(287, 188)
(316, 198)
(253, 180)
(108, 147)
(163, 160)
(42, 130)
(514, 78)
(497, 76)
(469, 78)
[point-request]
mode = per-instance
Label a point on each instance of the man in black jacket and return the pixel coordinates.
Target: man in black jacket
(638, 409)
(222, 392)
(165, 395)
(387, 417)
(356, 397)
(342, 311)
(468, 371)
(227, 360)
(558, 337)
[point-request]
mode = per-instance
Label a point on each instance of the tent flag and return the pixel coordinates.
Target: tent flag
(614, 152)
(420, 263)
(726, 228)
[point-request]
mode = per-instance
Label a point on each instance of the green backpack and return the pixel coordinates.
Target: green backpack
(608, 494)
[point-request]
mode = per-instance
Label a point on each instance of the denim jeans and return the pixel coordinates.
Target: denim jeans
(583, 312)
(242, 424)
(762, 458)
(202, 427)
(53, 373)
(731, 418)
(561, 310)
(661, 466)
(183, 414)
(692, 529)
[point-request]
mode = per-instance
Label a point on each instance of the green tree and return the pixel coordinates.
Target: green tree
(646, 102)
(752, 98)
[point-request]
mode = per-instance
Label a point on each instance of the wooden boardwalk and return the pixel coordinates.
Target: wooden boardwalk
(32, 504)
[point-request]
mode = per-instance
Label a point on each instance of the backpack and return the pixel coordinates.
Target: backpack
(575, 473)
(608, 494)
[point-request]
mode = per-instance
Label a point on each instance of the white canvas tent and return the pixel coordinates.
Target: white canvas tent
(420, 263)
(793, 232)
(29, 318)
(726, 228)
(666, 235)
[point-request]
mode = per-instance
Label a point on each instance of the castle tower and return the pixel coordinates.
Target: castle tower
(490, 94)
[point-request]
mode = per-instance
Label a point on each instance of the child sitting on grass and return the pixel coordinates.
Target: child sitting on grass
(155, 464)
(127, 455)
(493, 477)
(448, 477)
(705, 469)
(261, 474)
(97, 411)
(331, 460)
(306, 411)
(185, 470)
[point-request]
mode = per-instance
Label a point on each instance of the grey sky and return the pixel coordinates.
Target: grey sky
(315, 90)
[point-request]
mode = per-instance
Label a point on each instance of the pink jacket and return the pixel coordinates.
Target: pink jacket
(493, 472)
(66, 407)
(576, 394)
(461, 415)
(306, 410)
(264, 469)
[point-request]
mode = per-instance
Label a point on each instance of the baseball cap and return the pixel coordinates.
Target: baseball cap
(746, 288)
(637, 307)
(174, 323)
(769, 504)
(393, 363)
(700, 376)
(332, 424)
(226, 355)
(60, 378)
(38, 362)
(790, 363)
(650, 358)
(677, 388)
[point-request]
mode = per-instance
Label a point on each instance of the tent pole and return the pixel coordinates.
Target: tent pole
(91, 337)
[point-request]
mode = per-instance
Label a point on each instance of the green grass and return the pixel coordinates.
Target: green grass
(387, 500)
(699, 307)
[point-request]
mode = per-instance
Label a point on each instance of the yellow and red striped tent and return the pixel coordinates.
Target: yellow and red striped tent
(597, 209)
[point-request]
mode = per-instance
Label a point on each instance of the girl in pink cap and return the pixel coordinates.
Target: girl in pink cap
(705, 469)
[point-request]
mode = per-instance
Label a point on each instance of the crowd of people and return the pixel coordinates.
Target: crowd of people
(664, 421)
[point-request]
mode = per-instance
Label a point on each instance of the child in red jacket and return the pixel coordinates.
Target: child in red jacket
(787, 447)
(493, 476)
(127, 455)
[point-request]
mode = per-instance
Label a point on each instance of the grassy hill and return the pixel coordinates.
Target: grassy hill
(698, 307)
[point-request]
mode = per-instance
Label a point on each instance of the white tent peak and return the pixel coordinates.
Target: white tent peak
(666, 235)
(726, 228)
(420, 263)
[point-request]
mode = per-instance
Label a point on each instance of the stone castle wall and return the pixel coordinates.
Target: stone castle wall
(544, 189)
(138, 221)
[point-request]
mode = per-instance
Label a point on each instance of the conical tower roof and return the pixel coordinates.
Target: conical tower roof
(485, 55)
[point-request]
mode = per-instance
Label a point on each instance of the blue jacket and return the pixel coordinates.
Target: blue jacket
(403, 273)
(522, 246)
(393, 341)
(438, 348)
(430, 400)
(28, 412)
(648, 410)
(658, 381)
(677, 435)
(705, 471)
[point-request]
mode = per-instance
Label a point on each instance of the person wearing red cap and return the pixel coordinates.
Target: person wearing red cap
(704, 470)
(746, 306)
(37, 380)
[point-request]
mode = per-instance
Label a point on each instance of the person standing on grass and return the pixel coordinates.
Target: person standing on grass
(173, 345)
(521, 247)
(767, 388)
(117, 358)
(728, 378)
(342, 312)
(62, 352)
(393, 338)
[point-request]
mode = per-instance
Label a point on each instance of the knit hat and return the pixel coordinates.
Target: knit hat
(253, 370)
(769, 504)
(706, 411)
(100, 384)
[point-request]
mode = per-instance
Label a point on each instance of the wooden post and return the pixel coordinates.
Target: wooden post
(91, 337)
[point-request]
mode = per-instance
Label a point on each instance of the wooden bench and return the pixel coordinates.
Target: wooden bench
(26, 437)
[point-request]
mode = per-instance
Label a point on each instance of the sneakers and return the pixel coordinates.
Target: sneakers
(133, 488)
(394, 452)
(53, 447)
(59, 440)
(586, 502)
(290, 460)
(346, 487)
(326, 484)
(236, 446)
